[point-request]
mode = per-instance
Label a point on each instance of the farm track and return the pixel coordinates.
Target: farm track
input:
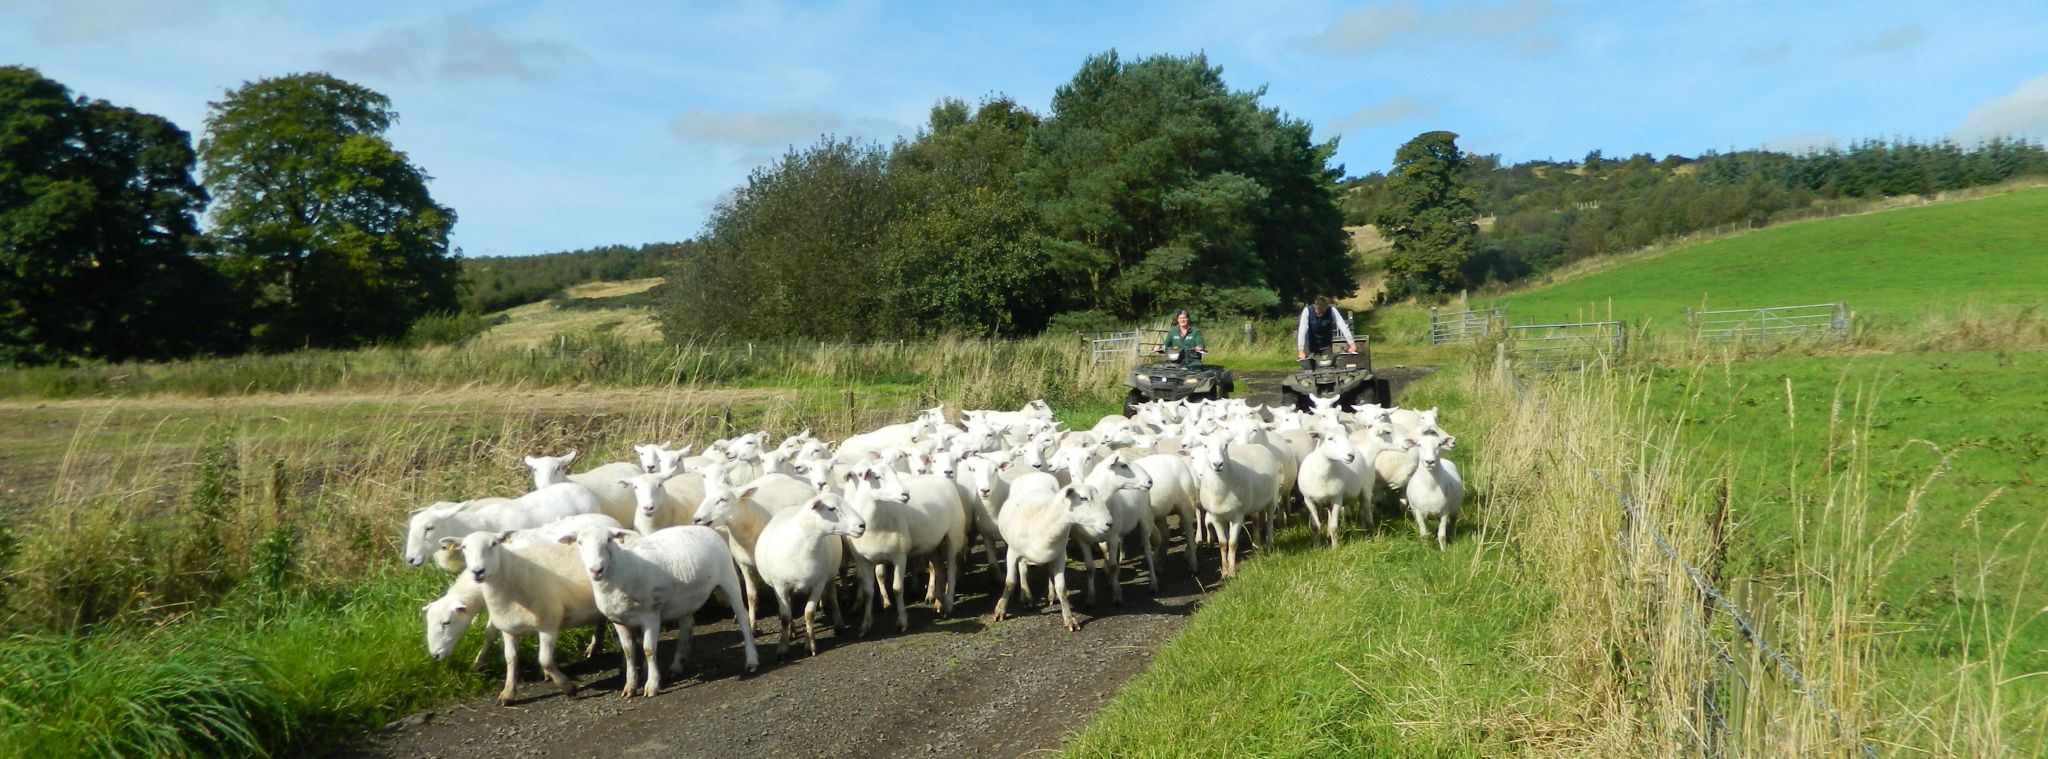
(955, 687)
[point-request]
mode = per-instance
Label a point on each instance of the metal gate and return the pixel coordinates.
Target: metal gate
(1467, 324)
(1821, 321)
(1566, 346)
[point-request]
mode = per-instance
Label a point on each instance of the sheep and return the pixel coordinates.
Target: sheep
(988, 492)
(681, 492)
(1037, 525)
(1434, 490)
(650, 455)
(855, 448)
(1330, 475)
(1235, 481)
(917, 518)
(799, 551)
(530, 587)
(739, 513)
(449, 616)
(615, 499)
(444, 520)
(1125, 491)
(642, 581)
(1173, 493)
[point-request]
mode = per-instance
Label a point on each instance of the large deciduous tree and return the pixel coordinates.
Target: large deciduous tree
(1159, 186)
(97, 232)
(1429, 215)
(327, 226)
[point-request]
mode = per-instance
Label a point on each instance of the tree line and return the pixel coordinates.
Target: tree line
(1550, 213)
(322, 233)
(1149, 185)
(499, 283)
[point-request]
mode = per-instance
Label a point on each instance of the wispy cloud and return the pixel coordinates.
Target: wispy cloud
(1891, 41)
(754, 129)
(1387, 112)
(1518, 26)
(458, 49)
(75, 21)
(2022, 113)
(1802, 142)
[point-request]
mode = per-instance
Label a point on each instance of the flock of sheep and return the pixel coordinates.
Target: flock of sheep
(739, 516)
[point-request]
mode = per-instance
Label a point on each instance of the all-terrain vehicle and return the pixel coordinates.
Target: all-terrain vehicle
(1347, 377)
(1169, 380)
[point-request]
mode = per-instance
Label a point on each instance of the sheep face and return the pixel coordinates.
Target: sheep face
(1084, 511)
(721, 502)
(447, 619)
(550, 470)
(667, 461)
(1426, 450)
(1129, 477)
(1336, 448)
(420, 538)
(482, 552)
(597, 546)
(838, 521)
(650, 456)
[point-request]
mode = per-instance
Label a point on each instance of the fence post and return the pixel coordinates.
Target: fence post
(1250, 335)
(1432, 326)
(849, 412)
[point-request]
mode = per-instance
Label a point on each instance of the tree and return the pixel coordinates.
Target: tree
(97, 233)
(329, 228)
(1431, 217)
(1160, 187)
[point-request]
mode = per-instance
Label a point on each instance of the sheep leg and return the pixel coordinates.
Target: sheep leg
(511, 666)
(931, 588)
(650, 643)
(1009, 584)
(832, 604)
(1421, 525)
(596, 641)
(1188, 529)
(684, 631)
(788, 623)
(1227, 539)
(1336, 518)
(878, 572)
(1151, 558)
(1059, 584)
(489, 630)
(629, 656)
(867, 580)
(730, 586)
(1087, 569)
(1113, 557)
(750, 590)
(547, 664)
(1443, 532)
(988, 543)
(810, 615)
(953, 559)
(902, 604)
(1315, 520)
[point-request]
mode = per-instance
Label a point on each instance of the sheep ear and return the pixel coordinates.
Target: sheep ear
(1408, 442)
(1450, 442)
(462, 608)
(619, 536)
(567, 540)
(850, 476)
(533, 461)
(627, 484)
(1315, 435)
(568, 457)
(749, 491)
(504, 536)
(451, 542)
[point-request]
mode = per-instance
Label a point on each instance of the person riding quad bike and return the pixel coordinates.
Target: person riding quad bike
(1183, 340)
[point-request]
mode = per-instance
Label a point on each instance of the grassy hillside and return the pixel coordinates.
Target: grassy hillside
(1895, 263)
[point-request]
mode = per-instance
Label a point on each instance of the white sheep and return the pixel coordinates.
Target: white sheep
(800, 551)
(530, 588)
(427, 528)
(615, 499)
(1173, 493)
(1330, 476)
(1235, 481)
(1125, 491)
(449, 616)
(642, 581)
(916, 516)
(740, 513)
(1434, 490)
(988, 490)
(1037, 526)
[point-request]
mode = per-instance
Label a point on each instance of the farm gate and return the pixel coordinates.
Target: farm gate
(1821, 321)
(1565, 346)
(1467, 324)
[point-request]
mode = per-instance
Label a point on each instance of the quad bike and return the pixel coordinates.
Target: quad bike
(1346, 377)
(1169, 380)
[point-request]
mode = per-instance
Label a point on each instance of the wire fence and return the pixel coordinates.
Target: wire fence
(1710, 741)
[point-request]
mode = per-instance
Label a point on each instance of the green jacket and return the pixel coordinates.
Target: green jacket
(1185, 344)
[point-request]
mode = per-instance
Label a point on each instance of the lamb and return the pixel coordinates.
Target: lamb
(1037, 525)
(1173, 493)
(918, 518)
(988, 490)
(857, 447)
(1235, 481)
(444, 521)
(1330, 475)
(1125, 491)
(800, 551)
(615, 499)
(650, 456)
(1434, 490)
(642, 581)
(449, 616)
(530, 587)
(677, 502)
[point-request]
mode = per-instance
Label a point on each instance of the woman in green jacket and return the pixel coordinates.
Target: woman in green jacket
(1186, 338)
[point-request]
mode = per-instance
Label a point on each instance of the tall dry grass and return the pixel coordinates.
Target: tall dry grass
(1651, 665)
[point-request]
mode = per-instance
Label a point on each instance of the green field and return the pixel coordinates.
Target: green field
(1889, 265)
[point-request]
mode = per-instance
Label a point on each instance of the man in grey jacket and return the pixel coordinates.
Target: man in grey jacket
(1319, 328)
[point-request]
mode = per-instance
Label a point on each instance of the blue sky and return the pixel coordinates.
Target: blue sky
(555, 126)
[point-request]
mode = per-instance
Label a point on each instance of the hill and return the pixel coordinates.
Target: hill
(1895, 263)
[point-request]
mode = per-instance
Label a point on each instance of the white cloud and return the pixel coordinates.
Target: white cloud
(458, 49)
(1798, 143)
(1387, 112)
(755, 128)
(2023, 113)
(1518, 26)
(80, 21)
